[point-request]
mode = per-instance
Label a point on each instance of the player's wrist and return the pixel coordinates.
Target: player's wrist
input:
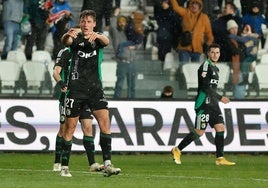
(61, 84)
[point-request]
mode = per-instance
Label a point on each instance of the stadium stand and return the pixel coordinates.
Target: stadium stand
(264, 59)
(261, 72)
(17, 56)
(35, 77)
(9, 76)
(189, 71)
(108, 77)
(224, 77)
(41, 56)
(50, 68)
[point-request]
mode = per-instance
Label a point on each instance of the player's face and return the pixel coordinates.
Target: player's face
(87, 25)
(214, 54)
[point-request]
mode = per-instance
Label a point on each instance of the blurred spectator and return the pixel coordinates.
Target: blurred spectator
(247, 4)
(255, 19)
(103, 9)
(167, 92)
(244, 52)
(237, 54)
(220, 32)
(12, 16)
(114, 15)
(134, 32)
(250, 48)
(249, 38)
(125, 65)
(61, 19)
(216, 14)
(196, 33)
(198, 25)
(38, 12)
(209, 6)
(236, 3)
(252, 45)
(150, 28)
(169, 27)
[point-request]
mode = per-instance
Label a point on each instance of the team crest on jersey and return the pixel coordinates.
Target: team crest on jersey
(62, 118)
(68, 111)
(203, 125)
(204, 74)
(81, 44)
(93, 44)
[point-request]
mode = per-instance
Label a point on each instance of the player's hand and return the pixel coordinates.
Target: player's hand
(72, 33)
(62, 85)
(92, 37)
(225, 100)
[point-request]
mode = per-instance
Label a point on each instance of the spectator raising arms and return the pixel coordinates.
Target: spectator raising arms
(198, 24)
(61, 22)
(255, 19)
(169, 26)
(220, 32)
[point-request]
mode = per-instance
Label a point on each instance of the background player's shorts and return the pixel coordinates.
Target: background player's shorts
(85, 113)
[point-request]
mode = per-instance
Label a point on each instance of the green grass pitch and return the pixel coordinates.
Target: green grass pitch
(19, 170)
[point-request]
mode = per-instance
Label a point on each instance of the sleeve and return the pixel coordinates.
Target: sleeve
(63, 57)
(177, 8)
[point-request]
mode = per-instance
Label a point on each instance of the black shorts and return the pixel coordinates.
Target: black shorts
(85, 113)
(211, 117)
(74, 106)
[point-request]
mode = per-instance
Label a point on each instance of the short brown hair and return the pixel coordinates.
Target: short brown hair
(213, 45)
(86, 13)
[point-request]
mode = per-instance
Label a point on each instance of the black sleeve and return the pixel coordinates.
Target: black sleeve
(63, 57)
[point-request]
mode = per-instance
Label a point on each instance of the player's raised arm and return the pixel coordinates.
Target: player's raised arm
(67, 38)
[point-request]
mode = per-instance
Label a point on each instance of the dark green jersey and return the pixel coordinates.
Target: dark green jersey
(208, 79)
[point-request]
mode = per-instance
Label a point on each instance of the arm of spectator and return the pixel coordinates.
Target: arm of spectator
(180, 10)
(131, 47)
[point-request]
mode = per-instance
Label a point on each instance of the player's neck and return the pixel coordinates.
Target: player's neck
(87, 35)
